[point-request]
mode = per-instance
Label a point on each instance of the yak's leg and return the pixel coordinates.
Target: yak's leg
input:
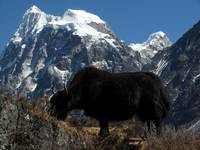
(149, 126)
(148, 131)
(104, 130)
(158, 127)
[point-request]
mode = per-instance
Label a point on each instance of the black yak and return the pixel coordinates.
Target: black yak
(113, 97)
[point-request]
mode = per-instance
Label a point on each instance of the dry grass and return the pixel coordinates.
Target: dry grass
(118, 138)
(121, 132)
(172, 139)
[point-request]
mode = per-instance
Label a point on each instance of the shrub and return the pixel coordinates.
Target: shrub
(173, 139)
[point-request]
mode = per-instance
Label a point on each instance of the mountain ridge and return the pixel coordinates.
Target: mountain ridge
(179, 68)
(56, 47)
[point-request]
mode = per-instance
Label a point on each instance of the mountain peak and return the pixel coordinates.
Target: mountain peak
(159, 33)
(158, 39)
(155, 42)
(81, 16)
(33, 22)
(157, 36)
(33, 9)
(78, 21)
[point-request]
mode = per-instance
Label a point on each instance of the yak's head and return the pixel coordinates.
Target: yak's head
(72, 98)
(59, 104)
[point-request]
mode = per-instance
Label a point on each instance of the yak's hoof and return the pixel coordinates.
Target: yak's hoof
(104, 134)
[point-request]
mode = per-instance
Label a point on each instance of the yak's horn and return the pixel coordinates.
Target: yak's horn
(52, 89)
(65, 88)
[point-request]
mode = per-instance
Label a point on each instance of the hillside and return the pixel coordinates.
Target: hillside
(27, 125)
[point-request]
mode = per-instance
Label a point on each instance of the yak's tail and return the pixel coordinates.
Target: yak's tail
(165, 100)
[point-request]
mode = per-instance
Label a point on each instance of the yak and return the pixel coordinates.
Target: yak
(113, 97)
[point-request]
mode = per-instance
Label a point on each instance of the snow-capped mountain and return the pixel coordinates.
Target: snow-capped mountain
(156, 42)
(46, 50)
(79, 22)
(179, 67)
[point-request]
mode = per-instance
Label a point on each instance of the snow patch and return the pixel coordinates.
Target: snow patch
(61, 74)
(40, 65)
(21, 52)
(160, 66)
(100, 64)
(17, 38)
(30, 85)
(23, 46)
(81, 28)
(26, 69)
(111, 42)
(137, 47)
(80, 16)
(195, 77)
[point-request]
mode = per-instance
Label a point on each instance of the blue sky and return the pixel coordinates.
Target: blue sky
(131, 20)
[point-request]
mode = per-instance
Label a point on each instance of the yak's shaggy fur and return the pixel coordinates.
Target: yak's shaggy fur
(113, 96)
